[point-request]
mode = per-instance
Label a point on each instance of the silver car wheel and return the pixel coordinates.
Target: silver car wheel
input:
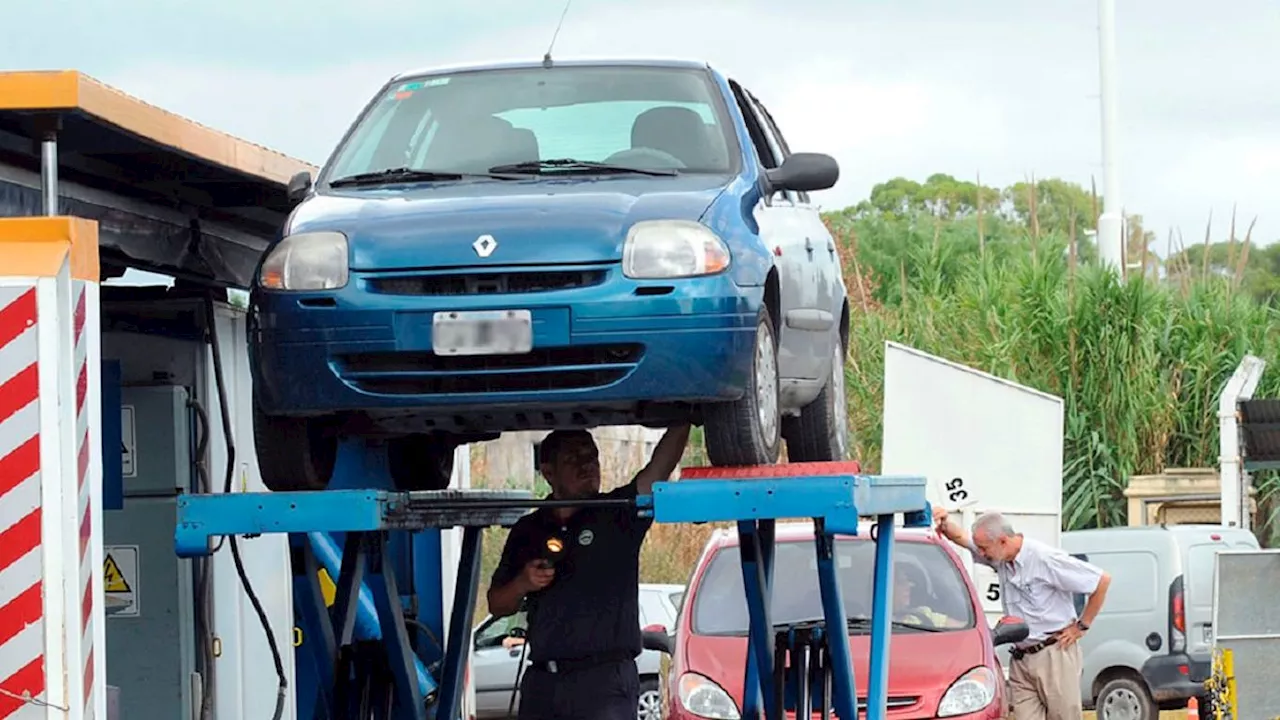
(841, 401)
(766, 382)
(650, 706)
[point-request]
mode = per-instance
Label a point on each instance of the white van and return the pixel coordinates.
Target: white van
(1151, 646)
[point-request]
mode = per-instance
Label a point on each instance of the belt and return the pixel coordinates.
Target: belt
(568, 665)
(1018, 653)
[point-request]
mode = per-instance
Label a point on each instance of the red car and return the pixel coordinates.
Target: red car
(943, 662)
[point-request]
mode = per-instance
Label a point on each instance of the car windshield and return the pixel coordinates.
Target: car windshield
(930, 593)
(566, 119)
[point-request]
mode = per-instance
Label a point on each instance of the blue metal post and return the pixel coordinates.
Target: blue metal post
(844, 692)
(458, 646)
(756, 571)
(330, 558)
(881, 621)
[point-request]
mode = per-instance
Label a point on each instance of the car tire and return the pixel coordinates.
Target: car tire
(293, 453)
(821, 432)
(1123, 698)
(422, 461)
(649, 706)
(747, 431)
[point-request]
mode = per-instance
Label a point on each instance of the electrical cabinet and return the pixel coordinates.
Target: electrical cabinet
(149, 592)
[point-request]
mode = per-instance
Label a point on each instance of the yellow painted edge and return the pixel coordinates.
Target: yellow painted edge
(37, 246)
(40, 90)
(71, 90)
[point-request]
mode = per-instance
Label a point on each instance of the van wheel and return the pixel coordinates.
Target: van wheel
(293, 453)
(1124, 698)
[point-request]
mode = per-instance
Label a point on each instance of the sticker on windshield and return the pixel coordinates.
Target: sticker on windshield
(408, 89)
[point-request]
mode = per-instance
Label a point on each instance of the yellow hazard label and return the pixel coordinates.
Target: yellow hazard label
(113, 579)
(327, 588)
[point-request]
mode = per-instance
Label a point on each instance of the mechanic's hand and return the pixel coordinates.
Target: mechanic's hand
(1069, 635)
(538, 574)
(940, 518)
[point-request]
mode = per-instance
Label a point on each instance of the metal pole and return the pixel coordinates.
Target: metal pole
(49, 173)
(1111, 222)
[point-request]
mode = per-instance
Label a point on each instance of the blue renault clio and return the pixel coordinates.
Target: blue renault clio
(551, 244)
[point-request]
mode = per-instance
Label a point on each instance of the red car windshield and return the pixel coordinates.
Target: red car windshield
(929, 594)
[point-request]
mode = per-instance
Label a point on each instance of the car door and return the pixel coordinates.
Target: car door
(495, 667)
(783, 233)
(821, 245)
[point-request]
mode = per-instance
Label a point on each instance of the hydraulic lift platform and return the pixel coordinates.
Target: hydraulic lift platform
(372, 660)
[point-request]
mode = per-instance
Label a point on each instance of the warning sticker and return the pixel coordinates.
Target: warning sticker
(120, 580)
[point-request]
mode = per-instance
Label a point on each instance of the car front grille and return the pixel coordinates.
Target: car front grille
(500, 283)
(572, 367)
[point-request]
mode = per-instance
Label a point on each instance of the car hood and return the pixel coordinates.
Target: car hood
(541, 221)
(922, 665)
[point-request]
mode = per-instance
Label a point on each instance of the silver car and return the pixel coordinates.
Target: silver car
(496, 656)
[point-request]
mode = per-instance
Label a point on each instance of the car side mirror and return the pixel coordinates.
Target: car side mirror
(656, 637)
(299, 186)
(804, 172)
(1009, 632)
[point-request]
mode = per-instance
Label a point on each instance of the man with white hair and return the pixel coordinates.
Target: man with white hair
(1037, 585)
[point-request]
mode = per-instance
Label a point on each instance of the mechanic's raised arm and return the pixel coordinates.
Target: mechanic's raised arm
(665, 459)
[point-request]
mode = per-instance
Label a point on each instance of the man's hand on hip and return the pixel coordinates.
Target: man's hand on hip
(1070, 635)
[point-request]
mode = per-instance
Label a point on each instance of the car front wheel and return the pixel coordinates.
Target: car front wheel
(747, 431)
(293, 453)
(821, 432)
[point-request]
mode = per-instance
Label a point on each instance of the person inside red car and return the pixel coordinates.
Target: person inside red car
(906, 578)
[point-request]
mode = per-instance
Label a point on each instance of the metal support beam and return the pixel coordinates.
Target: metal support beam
(834, 495)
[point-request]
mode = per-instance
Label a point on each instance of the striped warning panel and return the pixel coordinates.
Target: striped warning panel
(84, 506)
(22, 667)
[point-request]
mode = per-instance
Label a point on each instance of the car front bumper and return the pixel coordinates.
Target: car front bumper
(607, 346)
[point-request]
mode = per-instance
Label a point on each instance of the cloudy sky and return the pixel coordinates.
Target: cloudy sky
(1004, 88)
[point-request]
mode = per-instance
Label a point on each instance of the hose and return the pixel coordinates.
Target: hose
(511, 706)
(224, 411)
(204, 567)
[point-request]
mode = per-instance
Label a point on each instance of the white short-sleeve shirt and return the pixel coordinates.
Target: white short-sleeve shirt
(1039, 586)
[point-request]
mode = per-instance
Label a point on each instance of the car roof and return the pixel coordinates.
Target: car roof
(803, 530)
(528, 63)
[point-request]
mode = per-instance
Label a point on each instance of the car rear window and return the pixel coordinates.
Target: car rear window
(719, 607)
(472, 121)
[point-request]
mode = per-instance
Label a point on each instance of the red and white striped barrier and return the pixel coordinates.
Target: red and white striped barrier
(51, 609)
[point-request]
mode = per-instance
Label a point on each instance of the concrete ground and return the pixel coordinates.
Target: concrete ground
(1165, 715)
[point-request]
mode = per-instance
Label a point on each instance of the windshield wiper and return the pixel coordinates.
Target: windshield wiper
(862, 622)
(572, 165)
(406, 174)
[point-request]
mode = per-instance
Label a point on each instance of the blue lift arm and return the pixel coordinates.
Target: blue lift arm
(783, 663)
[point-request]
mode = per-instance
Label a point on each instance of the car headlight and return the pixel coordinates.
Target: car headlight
(306, 261)
(701, 696)
(672, 249)
(973, 691)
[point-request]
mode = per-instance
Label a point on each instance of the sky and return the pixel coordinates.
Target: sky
(998, 89)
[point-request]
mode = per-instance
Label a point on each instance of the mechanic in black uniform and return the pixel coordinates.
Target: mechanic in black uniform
(583, 612)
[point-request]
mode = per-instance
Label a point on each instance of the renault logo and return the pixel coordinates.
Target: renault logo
(485, 245)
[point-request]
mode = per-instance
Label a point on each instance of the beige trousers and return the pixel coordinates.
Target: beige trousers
(1046, 685)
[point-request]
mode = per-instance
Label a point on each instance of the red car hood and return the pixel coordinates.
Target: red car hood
(922, 666)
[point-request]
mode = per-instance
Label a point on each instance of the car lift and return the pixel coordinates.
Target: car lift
(369, 662)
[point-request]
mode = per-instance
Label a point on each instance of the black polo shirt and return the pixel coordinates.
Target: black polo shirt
(592, 608)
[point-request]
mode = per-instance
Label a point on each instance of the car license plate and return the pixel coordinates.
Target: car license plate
(492, 332)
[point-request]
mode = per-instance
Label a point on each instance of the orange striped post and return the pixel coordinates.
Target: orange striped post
(51, 617)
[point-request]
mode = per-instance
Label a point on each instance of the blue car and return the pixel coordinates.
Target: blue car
(551, 244)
